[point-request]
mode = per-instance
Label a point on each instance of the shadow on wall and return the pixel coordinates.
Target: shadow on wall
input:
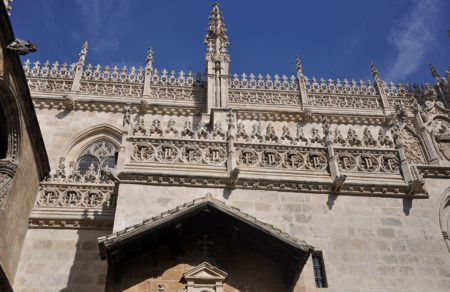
(163, 268)
(88, 271)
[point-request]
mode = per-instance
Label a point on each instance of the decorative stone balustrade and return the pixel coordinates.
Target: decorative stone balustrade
(48, 77)
(72, 189)
(190, 89)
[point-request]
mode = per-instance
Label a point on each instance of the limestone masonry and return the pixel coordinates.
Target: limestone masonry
(175, 181)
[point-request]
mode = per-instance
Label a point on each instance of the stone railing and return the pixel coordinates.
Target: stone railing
(244, 89)
(72, 189)
(48, 77)
(177, 87)
(342, 94)
(113, 74)
(253, 89)
(338, 87)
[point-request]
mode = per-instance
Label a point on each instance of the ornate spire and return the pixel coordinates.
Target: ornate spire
(216, 38)
(82, 55)
(434, 72)
(298, 66)
(149, 59)
(375, 74)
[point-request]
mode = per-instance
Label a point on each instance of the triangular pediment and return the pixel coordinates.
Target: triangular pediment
(205, 271)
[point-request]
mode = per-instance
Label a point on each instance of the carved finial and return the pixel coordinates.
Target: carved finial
(434, 72)
(375, 74)
(149, 59)
(298, 66)
(83, 54)
(216, 38)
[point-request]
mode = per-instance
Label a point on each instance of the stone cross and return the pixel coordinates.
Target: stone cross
(205, 243)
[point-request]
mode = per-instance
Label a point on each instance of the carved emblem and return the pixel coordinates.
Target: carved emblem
(93, 199)
(248, 157)
(270, 158)
(294, 159)
(142, 151)
(390, 163)
(49, 198)
(215, 155)
(316, 160)
(167, 152)
(191, 154)
(368, 163)
(346, 162)
(71, 198)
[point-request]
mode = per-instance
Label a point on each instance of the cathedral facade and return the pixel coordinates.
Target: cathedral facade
(165, 181)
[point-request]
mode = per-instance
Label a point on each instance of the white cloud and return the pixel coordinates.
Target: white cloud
(412, 36)
(99, 17)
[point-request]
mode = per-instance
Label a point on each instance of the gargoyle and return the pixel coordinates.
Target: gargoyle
(21, 47)
(338, 182)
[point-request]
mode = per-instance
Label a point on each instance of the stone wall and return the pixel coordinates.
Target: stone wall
(19, 202)
(60, 127)
(61, 260)
(367, 242)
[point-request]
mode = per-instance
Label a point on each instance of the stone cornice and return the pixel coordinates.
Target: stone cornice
(374, 188)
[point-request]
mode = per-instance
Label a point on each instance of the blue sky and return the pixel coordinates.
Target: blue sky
(335, 39)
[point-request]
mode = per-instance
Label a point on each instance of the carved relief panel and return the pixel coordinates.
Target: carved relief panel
(440, 131)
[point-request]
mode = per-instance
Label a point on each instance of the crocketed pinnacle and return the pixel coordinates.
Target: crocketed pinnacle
(83, 54)
(216, 38)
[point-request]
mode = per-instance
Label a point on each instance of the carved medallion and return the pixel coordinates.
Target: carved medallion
(346, 162)
(294, 159)
(368, 163)
(316, 160)
(270, 158)
(71, 198)
(215, 155)
(48, 198)
(93, 199)
(248, 157)
(390, 163)
(167, 153)
(191, 154)
(142, 152)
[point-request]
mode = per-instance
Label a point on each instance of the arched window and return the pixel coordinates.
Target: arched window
(99, 155)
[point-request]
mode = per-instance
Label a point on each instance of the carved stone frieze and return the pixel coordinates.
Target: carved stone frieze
(76, 196)
(373, 161)
(169, 151)
(440, 131)
(266, 156)
(412, 146)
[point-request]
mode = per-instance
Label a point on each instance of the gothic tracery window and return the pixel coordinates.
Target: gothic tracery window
(98, 156)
